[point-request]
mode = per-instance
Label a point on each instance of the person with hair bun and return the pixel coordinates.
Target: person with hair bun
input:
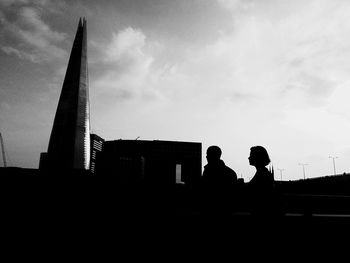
(263, 178)
(261, 186)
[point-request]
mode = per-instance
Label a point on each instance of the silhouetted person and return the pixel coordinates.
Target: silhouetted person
(261, 186)
(218, 182)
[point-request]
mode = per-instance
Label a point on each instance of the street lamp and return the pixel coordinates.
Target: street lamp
(333, 157)
(281, 170)
(303, 165)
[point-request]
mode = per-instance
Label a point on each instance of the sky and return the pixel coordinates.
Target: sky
(232, 73)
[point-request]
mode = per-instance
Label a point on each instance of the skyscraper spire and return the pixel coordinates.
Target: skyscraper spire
(69, 145)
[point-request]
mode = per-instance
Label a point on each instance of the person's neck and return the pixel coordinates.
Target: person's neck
(215, 161)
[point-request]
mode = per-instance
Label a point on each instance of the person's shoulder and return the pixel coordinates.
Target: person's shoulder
(231, 171)
(268, 173)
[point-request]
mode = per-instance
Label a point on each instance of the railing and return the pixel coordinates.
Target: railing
(316, 204)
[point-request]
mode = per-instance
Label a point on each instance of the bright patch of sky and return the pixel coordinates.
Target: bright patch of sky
(233, 73)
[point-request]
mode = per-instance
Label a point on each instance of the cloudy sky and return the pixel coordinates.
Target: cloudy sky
(234, 73)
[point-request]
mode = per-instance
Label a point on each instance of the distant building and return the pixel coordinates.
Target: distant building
(96, 149)
(156, 162)
(69, 145)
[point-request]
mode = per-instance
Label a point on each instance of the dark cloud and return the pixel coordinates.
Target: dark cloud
(25, 34)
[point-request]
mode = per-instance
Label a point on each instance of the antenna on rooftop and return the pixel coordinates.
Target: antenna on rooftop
(3, 150)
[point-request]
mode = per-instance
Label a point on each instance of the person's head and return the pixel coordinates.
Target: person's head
(213, 153)
(258, 156)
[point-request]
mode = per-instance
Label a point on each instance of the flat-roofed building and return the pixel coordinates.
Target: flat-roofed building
(158, 162)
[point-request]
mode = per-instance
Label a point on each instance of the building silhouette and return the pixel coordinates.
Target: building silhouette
(73, 150)
(96, 149)
(155, 162)
(69, 145)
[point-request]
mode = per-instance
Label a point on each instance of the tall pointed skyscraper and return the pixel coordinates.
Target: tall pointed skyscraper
(69, 146)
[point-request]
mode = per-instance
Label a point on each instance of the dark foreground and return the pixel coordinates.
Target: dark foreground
(89, 216)
(101, 203)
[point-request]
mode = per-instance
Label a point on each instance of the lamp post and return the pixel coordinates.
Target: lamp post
(281, 170)
(333, 158)
(303, 165)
